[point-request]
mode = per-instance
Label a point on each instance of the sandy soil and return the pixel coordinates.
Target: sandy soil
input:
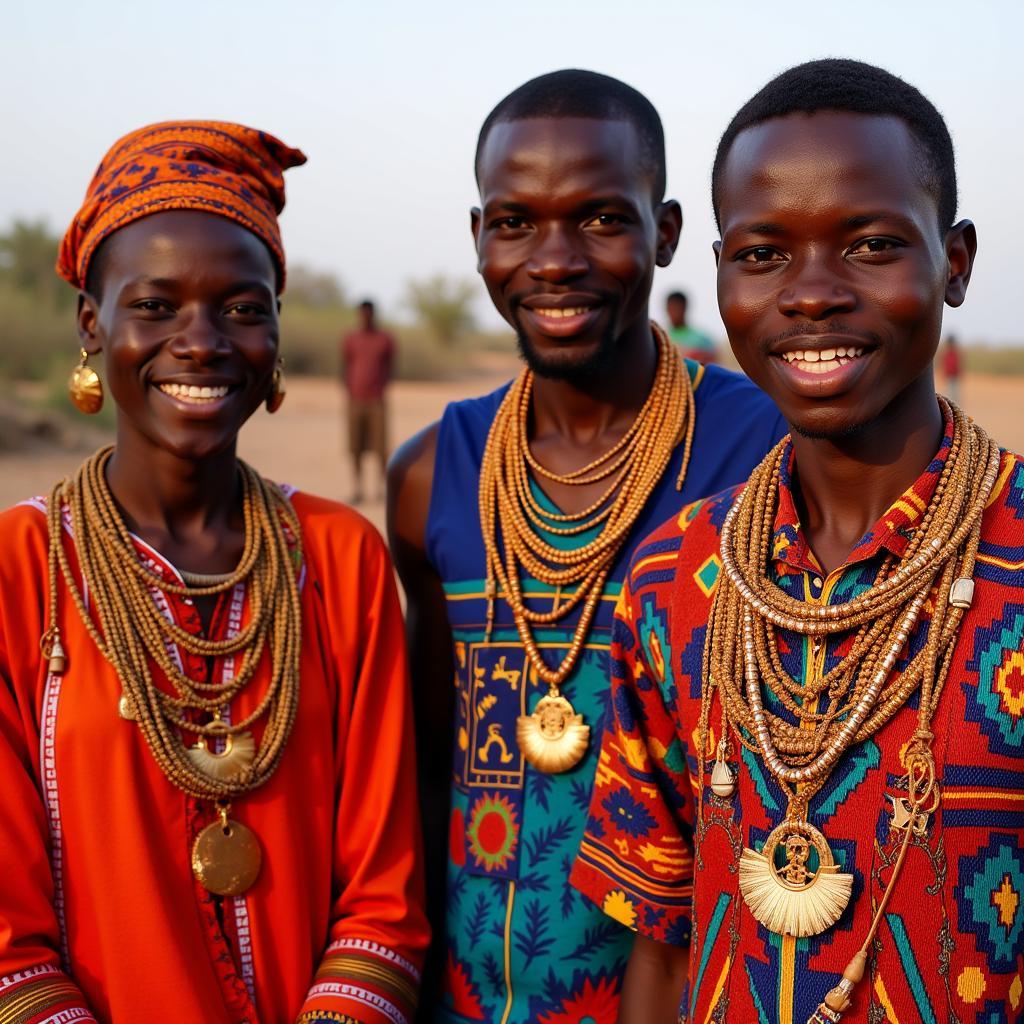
(303, 443)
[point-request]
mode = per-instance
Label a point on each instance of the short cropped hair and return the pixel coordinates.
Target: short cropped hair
(586, 94)
(677, 297)
(367, 304)
(858, 88)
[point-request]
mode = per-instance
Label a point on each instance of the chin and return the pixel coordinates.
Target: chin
(571, 361)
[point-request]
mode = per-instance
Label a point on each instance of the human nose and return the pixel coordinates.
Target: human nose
(556, 257)
(199, 338)
(816, 292)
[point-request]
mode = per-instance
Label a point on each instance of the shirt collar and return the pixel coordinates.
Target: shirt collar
(892, 532)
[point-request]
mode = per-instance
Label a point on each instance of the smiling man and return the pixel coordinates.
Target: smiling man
(512, 521)
(816, 683)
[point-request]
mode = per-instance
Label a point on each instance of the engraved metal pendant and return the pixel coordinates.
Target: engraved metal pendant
(553, 739)
(794, 898)
(226, 857)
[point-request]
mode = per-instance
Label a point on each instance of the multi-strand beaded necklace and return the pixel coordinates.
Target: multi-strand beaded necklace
(790, 894)
(133, 634)
(553, 738)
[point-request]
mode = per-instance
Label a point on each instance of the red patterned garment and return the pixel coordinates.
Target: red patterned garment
(951, 943)
(101, 917)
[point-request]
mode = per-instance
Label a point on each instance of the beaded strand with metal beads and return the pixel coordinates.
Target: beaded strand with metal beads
(133, 634)
(864, 691)
(509, 508)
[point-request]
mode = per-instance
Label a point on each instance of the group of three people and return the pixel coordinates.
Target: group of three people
(761, 743)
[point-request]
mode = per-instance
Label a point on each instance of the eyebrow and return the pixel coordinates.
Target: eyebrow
(762, 228)
(864, 220)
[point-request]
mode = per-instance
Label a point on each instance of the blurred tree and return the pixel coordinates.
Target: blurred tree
(313, 288)
(443, 305)
(28, 252)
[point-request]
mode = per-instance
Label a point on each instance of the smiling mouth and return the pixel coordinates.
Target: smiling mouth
(192, 393)
(555, 313)
(822, 360)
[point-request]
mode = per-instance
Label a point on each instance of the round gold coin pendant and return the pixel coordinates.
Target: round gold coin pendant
(553, 739)
(796, 898)
(226, 858)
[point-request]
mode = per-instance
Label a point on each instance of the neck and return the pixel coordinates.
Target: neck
(163, 495)
(581, 411)
(844, 485)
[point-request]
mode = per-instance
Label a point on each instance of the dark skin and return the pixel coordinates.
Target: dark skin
(830, 240)
(567, 222)
(184, 299)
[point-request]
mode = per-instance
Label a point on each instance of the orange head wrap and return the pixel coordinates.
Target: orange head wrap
(212, 166)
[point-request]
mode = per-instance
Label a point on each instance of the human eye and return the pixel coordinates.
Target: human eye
(152, 307)
(510, 223)
(760, 254)
(607, 220)
(874, 245)
(246, 310)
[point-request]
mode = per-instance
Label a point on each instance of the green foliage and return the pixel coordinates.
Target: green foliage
(443, 305)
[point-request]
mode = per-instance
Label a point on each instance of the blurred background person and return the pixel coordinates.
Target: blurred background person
(694, 344)
(952, 368)
(367, 360)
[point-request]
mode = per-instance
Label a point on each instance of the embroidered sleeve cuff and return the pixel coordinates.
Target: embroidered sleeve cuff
(362, 982)
(659, 910)
(39, 995)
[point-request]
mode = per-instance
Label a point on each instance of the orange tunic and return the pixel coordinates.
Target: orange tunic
(100, 916)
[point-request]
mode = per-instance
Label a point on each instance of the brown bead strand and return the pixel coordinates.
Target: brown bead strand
(510, 510)
(133, 634)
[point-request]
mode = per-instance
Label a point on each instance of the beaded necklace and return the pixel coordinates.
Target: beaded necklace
(861, 693)
(554, 738)
(132, 633)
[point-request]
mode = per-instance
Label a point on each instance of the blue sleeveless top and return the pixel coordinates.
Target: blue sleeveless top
(523, 946)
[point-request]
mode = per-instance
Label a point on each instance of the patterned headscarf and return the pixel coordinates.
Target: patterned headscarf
(212, 166)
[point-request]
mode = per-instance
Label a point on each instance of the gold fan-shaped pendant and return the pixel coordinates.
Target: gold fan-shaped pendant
(794, 898)
(553, 739)
(236, 757)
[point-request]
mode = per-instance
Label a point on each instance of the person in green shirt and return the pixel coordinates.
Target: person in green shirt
(694, 343)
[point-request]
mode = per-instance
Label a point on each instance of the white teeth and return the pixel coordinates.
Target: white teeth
(559, 314)
(192, 393)
(823, 360)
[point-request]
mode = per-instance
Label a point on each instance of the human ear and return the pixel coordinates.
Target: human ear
(88, 323)
(716, 248)
(670, 227)
(475, 218)
(961, 248)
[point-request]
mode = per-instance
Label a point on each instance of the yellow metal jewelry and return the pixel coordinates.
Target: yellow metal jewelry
(554, 738)
(85, 387)
(134, 636)
(792, 885)
(277, 388)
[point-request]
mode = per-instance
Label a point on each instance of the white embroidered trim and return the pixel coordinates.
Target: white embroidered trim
(343, 990)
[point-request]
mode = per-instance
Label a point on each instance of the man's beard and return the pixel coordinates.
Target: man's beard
(573, 370)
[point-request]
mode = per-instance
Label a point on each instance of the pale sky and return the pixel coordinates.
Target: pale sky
(386, 99)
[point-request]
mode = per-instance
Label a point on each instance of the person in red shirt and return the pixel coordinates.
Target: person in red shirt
(952, 368)
(808, 800)
(209, 811)
(367, 360)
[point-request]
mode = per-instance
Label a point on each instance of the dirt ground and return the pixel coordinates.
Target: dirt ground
(303, 443)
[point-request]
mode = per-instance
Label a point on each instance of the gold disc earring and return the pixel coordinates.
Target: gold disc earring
(277, 388)
(85, 387)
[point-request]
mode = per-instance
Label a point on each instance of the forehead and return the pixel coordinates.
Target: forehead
(186, 242)
(829, 161)
(559, 155)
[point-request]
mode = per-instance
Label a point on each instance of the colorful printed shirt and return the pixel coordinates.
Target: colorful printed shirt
(951, 943)
(523, 947)
(101, 918)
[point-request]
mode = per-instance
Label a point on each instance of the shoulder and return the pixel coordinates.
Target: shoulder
(682, 544)
(24, 523)
(716, 383)
(335, 527)
(1004, 516)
